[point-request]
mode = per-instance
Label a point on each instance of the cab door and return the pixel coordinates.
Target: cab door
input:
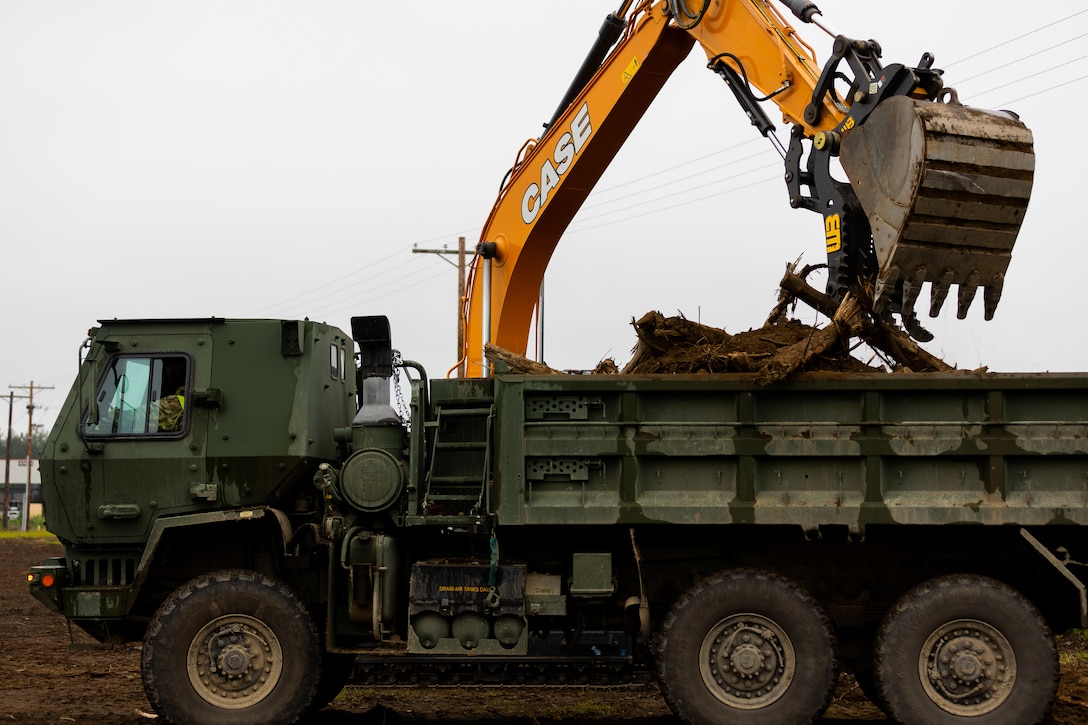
(145, 437)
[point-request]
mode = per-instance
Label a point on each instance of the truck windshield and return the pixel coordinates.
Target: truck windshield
(141, 395)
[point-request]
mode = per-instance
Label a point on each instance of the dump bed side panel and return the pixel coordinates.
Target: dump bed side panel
(823, 450)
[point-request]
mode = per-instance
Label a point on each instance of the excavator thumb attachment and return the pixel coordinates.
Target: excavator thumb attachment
(945, 188)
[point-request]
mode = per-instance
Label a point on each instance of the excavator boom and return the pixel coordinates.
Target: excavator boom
(936, 191)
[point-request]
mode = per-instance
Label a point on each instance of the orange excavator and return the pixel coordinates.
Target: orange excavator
(937, 190)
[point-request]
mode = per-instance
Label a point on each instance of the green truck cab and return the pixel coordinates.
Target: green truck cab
(254, 426)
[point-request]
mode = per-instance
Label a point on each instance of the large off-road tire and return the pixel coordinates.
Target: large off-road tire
(747, 647)
(965, 649)
(229, 648)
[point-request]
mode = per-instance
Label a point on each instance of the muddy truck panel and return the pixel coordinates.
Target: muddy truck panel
(156, 438)
(846, 450)
(253, 427)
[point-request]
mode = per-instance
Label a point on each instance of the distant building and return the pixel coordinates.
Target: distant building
(16, 483)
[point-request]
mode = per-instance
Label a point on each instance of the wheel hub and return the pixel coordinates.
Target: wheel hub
(967, 667)
(747, 661)
(235, 661)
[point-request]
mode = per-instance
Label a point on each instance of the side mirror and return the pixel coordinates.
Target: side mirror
(93, 415)
(87, 374)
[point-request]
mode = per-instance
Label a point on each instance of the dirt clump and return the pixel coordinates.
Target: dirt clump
(677, 345)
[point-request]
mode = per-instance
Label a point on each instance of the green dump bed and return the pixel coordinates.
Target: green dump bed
(845, 450)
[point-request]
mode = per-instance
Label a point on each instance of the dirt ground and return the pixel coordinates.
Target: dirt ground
(44, 680)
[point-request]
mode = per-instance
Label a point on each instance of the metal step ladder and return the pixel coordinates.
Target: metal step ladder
(455, 487)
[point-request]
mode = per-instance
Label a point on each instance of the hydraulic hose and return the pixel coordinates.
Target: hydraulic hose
(610, 32)
(685, 19)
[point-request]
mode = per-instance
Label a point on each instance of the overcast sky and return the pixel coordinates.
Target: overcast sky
(281, 159)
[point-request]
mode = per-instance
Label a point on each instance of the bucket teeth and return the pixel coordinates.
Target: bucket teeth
(939, 291)
(886, 283)
(991, 295)
(914, 328)
(968, 288)
(912, 286)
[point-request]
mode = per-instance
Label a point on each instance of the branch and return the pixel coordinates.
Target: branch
(518, 364)
(846, 323)
(872, 329)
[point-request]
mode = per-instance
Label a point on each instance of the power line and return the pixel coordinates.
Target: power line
(331, 290)
(777, 178)
(1005, 85)
(325, 285)
(353, 273)
(359, 302)
(367, 294)
(1018, 37)
(1021, 59)
(1047, 90)
(683, 164)
(686, 191)
(658, 187)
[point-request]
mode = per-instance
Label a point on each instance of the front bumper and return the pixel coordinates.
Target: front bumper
(47, 580)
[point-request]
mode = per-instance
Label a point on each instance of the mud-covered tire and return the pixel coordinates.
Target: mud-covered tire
(965, 649)
(747, 647)
(229, 648)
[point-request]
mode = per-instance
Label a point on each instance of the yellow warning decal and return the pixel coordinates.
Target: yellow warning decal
(630, 70)
(833, 233)
(459, 588)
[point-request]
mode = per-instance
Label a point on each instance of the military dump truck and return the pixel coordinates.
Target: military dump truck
(257, 503)
(243, 498)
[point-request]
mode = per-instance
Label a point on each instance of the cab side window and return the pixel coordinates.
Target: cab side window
(140, 395)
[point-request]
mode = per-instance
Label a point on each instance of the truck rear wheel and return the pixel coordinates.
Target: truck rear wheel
(231, 647)
(747, 647)
(965, 648)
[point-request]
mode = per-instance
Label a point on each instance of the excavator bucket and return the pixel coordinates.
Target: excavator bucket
(945, 188)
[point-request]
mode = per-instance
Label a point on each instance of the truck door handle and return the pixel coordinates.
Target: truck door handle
(119, 511)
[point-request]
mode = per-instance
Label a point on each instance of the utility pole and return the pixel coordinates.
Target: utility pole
(29, 442)
(7, 464)
(460, 252)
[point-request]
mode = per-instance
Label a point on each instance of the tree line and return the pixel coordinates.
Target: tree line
(18, 443)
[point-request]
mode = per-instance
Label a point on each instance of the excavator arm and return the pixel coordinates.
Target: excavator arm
(910, 150)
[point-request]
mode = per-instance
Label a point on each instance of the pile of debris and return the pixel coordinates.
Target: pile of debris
(775, 351)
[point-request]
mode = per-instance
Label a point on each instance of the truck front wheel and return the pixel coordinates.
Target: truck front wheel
(965, 648)
(232, 646)
(747, 647)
